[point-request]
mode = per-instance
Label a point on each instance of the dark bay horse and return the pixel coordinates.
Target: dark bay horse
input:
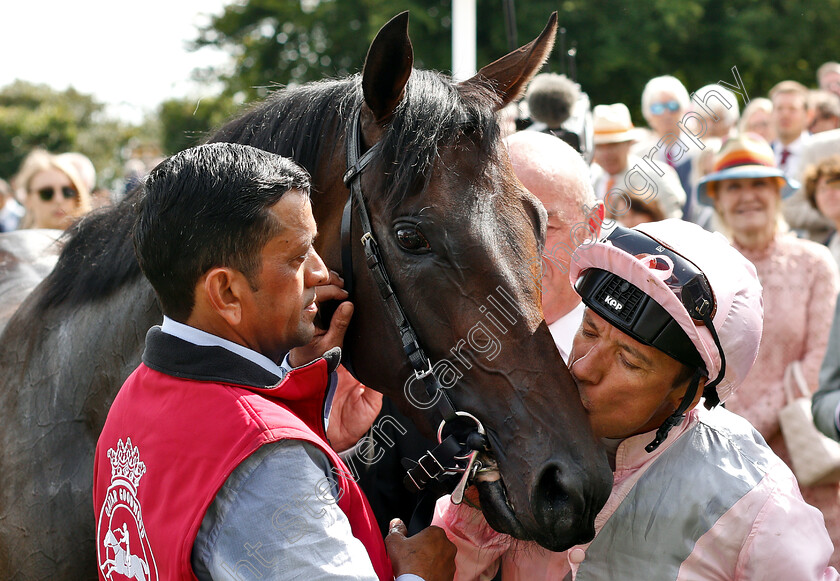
(461, 240)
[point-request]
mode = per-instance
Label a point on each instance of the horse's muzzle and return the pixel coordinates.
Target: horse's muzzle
(560, 519)
(561, 510)
(497, 510)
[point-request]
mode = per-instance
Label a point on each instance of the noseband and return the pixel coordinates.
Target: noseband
(450, 456)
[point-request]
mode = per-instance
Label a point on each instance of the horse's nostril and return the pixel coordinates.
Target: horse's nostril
(551, 490)
(562, 514)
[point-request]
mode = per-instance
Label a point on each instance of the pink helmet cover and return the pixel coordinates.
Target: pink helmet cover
(739, 307)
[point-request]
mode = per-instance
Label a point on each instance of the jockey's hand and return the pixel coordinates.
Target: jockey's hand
(428, 554)
(354, 409)
(324, 340)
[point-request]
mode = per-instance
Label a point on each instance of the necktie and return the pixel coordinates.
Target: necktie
(784, 158)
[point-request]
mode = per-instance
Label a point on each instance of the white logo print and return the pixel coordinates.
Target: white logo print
(122, 546)
(615, 304)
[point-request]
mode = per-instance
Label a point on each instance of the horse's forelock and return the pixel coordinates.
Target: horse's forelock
(434, 112)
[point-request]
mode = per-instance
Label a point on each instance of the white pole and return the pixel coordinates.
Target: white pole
(463, 39)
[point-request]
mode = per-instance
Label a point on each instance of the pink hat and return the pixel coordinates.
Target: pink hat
(736, 311)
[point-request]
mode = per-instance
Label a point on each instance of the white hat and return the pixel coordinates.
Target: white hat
(612, 124)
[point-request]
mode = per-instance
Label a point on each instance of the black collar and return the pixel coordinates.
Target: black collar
(179, 358)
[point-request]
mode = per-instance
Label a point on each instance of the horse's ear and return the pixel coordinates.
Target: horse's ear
(511, 74)
(387, 67)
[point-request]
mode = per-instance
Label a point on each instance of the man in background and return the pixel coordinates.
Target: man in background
(790, 116)
(618, 170)
(825, 112)
(558, 176)
(828, 76)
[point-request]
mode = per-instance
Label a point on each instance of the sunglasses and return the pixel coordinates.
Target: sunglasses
(46, 194)
(659, 108)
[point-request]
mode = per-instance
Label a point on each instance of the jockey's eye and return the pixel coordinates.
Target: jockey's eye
(410, 238)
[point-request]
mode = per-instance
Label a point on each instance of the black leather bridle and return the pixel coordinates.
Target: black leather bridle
(450, 456)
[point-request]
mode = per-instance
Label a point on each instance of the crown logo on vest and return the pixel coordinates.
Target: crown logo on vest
(126, 464)
(123, 549)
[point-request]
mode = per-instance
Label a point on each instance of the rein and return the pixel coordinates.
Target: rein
(450, 456)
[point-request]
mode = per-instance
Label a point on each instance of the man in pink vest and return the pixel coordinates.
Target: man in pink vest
(214, 461)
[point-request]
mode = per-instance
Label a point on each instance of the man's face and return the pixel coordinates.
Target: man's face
(558, 295)
(626, 387)
(830, 82)
(663, 114)
(279, 315)
(823, 122)
(613, 156)
(761, 122)
(789, 115)
(554, 173)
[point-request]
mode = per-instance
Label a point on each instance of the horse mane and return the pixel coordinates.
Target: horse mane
(434, 112)
(96, 259)
(301, 123)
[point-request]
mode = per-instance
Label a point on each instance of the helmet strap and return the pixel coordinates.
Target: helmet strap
(710, 390)
(675, 418)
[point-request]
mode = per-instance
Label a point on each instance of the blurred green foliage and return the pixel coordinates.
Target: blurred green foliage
(278, 42)
(620, 44)
(185, 122)
(33, 115)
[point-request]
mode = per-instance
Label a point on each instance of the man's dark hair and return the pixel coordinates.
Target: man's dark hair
(206, 207)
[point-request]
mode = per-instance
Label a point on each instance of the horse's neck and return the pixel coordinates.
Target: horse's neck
(93, 347)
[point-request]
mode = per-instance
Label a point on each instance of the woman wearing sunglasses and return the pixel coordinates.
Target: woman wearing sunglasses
(664, 102)
(55, 194)
(800, 283)
(672, 327)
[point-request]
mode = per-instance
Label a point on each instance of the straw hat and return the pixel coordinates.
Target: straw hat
(612, 124)
(743, 157)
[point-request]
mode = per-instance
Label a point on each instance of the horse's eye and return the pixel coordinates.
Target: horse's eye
(411, 238)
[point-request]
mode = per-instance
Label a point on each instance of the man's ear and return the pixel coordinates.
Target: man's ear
(223, 290)
(679, 392)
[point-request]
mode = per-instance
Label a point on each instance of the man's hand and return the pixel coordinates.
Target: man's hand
(428, 554)
(354, 408)
(323, 340)
(332, 291)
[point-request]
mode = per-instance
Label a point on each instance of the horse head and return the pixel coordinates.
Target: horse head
(110, 540)
(462, 240)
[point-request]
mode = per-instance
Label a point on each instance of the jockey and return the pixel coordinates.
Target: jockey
(673, 319)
